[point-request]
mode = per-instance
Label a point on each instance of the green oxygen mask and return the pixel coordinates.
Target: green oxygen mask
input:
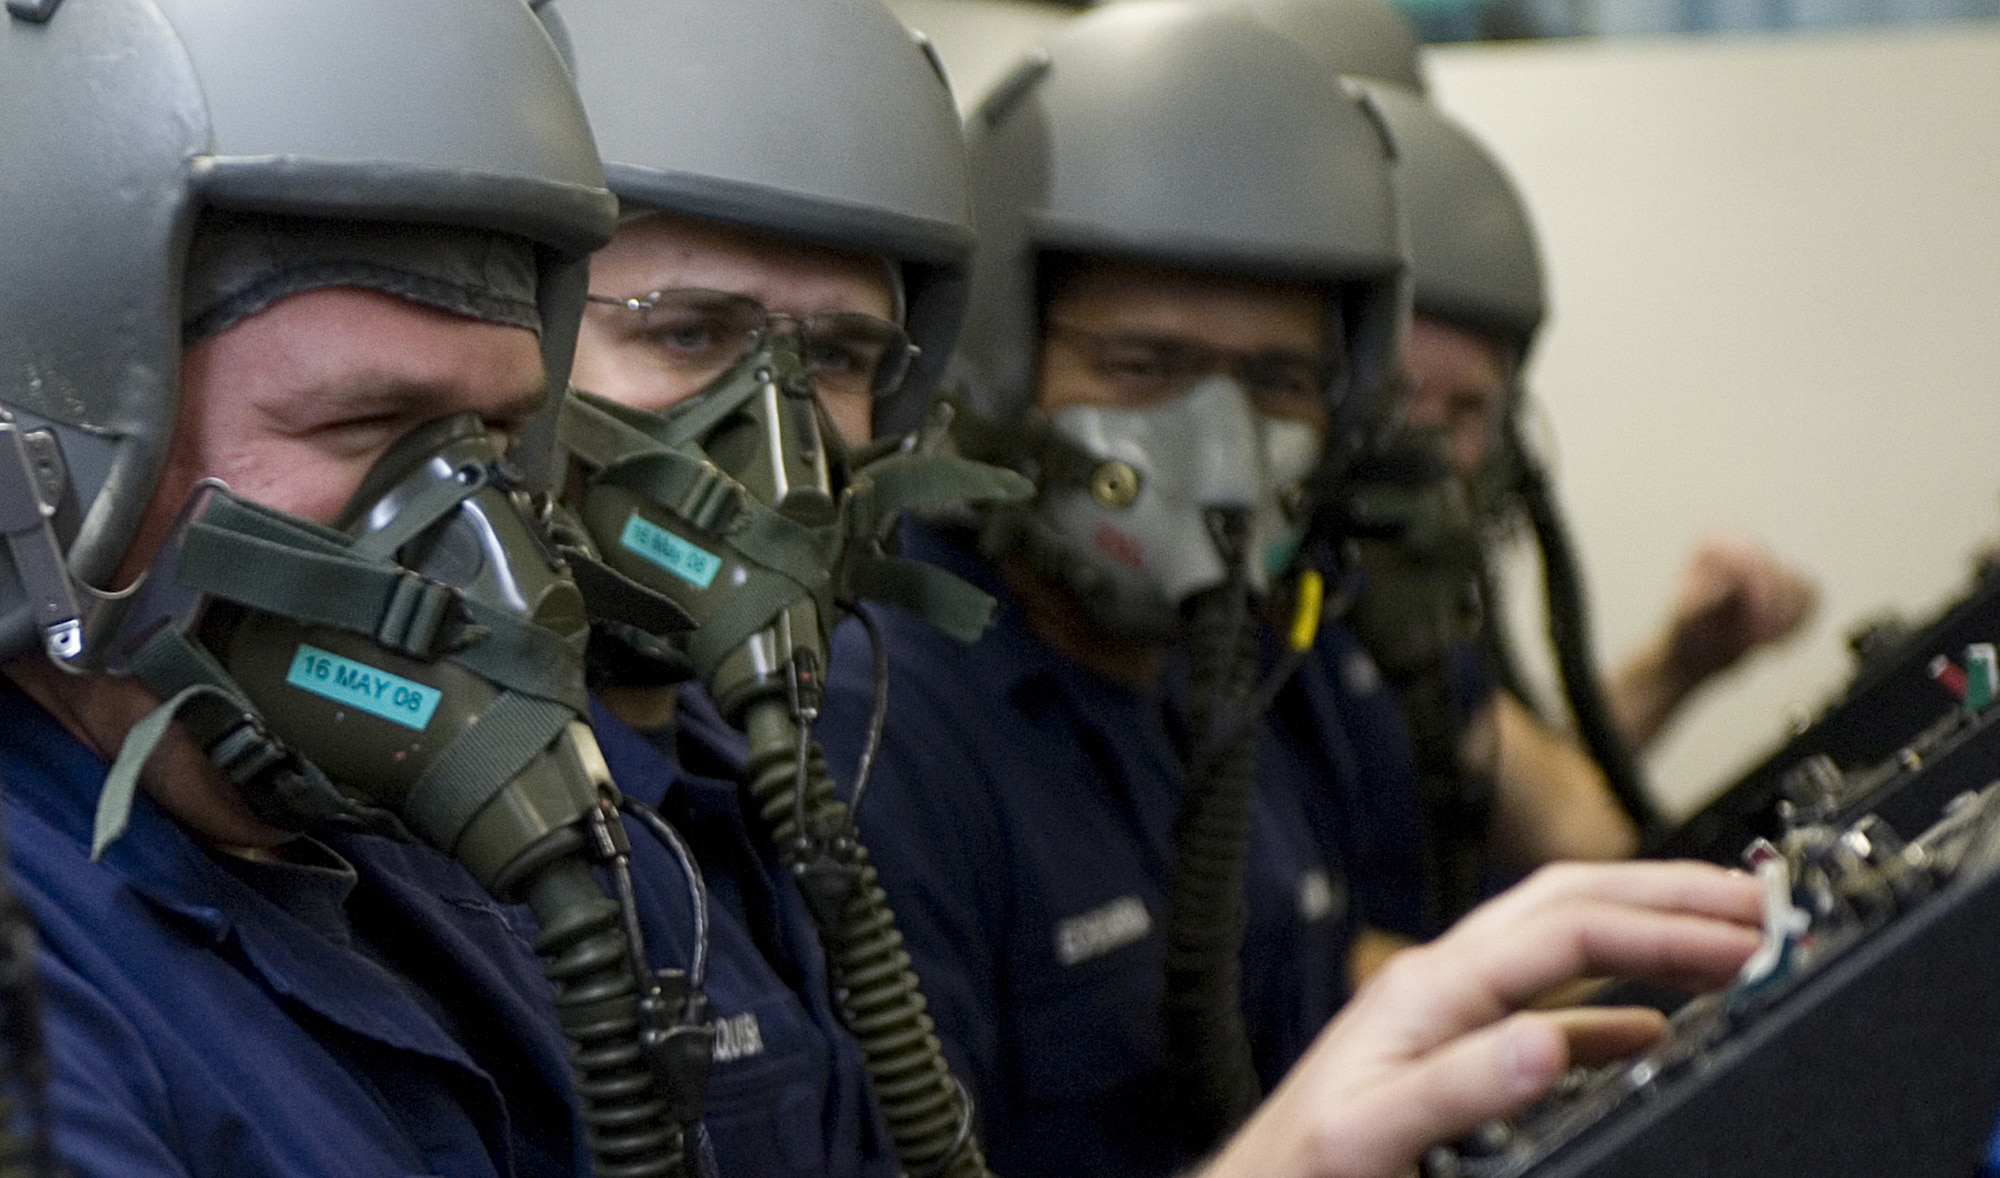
(743, 512)
(417, 669)
(416, 665)
(741, 508)
(1416, 537)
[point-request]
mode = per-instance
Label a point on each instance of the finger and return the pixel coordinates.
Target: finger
(1560, 929)
(1673, 886)
(1492, 1073)
(1573, 993)
(1588, 939)
(1601, 1034)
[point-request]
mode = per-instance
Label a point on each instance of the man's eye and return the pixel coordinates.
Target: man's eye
(689, 338)
(1288, 384)
(1283, 377)
(828, 357)
(1138, 364)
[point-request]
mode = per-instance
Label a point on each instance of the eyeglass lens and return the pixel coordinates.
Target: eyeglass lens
(705, 332)
(1158, 367)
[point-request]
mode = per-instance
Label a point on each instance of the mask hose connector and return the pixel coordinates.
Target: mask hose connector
(630, 1123)
(1213, 1081)
(677, 1033)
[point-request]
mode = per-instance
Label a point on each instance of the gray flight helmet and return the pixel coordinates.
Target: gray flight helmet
(824, 121)
(1473, 255)
(1360, 38)
(125, 119)
(1185, 135)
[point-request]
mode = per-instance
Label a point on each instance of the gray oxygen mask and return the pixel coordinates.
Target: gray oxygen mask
(1172, 496)
(742, 511)
(415, 667)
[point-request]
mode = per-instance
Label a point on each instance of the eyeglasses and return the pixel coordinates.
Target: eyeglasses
(705, 332)
(1149, 367)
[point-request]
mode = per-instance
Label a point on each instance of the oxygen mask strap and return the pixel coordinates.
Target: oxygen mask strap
(240, 552)
(903, 482)
(785, 559)
(1029, 445)
(835, 563)
(208, 700)
(267, 562)
(480, 762)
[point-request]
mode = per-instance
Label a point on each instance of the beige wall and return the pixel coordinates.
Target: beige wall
(1776, 278)
(979, 39)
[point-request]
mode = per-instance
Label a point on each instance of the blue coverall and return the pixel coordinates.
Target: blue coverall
(361, 1009)
(786, 1090)
(1020, 813)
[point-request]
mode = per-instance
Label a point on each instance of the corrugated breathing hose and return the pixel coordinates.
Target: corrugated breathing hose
(1213, 1081)
(1569, 632)
(629, 1119)
(926, 1109)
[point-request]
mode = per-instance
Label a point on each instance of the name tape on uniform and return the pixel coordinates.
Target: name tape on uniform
(1102, 929)
(737, 1036)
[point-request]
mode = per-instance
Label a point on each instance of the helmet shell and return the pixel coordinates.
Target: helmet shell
(125, 119)
(1359, 38)
(1184, 135)
(1473, 257)
(825, 121)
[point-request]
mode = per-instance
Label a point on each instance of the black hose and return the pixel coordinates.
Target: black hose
(1212, 1078)
(1569, 632)
(1457, 798)
(928, 1112)
(664, 833)
(628, 1116)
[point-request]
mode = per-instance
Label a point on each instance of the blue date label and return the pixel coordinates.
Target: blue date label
(358, 685)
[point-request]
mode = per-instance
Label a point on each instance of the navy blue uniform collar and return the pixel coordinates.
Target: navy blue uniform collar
(697, 754)
(56, 777)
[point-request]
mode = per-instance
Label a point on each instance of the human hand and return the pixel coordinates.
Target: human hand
(1439, 1041)
(1735, 596)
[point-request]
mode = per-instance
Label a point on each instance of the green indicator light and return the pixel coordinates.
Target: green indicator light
(1982, 676)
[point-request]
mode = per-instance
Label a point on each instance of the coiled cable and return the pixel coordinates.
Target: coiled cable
(928, 1112)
